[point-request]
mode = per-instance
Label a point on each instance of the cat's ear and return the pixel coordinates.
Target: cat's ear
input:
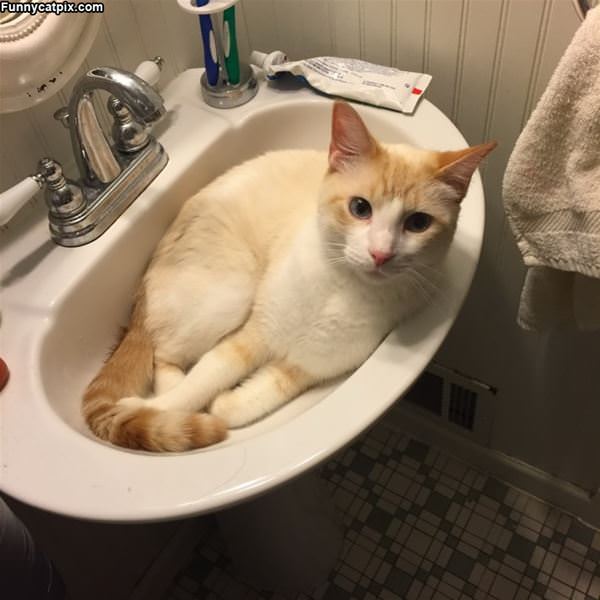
(350, 138)
(455, 168)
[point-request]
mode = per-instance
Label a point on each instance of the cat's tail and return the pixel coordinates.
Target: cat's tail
(129, 372)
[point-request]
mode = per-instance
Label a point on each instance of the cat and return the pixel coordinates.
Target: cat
(283, 273)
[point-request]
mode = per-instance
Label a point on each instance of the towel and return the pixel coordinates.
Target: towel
(551, 192)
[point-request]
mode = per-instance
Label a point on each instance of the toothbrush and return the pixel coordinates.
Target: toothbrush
(232, 61)
(211, 65)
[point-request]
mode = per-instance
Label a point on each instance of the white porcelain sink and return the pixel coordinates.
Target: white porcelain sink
(62, 309)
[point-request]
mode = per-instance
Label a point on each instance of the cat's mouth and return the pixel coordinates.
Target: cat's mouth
(377, 274)
(385, 272)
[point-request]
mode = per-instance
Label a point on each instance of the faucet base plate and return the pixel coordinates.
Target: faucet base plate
(104, 210)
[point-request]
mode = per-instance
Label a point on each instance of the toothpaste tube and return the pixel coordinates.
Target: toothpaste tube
(351, 78)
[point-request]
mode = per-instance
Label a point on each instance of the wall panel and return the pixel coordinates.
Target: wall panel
(409, 38)
(376, 31)
(346, 23)
(444, 34)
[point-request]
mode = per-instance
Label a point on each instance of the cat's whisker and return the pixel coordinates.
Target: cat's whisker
(425, 286)
(433, 295)
(354, 256)
(430, 269)
(420, 290)
(417, 269)
(432, 286)
(428, 285)
(336, 261)
(414, 287)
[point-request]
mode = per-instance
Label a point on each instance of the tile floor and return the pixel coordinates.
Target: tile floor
(421, 525)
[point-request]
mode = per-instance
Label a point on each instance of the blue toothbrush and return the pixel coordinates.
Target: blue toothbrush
(210, 63)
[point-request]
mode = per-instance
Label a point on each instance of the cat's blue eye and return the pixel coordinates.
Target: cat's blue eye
(417, 222)
(360, 208)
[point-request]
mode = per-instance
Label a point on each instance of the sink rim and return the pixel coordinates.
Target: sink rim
(254, 465)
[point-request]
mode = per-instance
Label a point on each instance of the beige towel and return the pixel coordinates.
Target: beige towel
(552, 192)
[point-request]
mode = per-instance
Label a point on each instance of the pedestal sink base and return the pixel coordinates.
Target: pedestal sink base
(287, 540)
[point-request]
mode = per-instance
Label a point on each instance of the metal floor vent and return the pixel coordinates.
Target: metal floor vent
(462, 403)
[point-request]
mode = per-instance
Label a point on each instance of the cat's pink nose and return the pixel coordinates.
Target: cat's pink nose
(380, 258)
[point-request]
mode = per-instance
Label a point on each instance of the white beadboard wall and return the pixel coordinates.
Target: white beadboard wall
(490, 61)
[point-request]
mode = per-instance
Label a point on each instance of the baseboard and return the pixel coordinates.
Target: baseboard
(518, 474)
(173, 557)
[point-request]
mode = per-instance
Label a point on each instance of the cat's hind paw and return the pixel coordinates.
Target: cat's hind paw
(234, 410)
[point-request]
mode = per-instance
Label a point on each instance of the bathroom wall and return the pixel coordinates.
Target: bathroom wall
(490, 61)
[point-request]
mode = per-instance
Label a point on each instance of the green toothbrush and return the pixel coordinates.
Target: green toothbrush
(232, 60)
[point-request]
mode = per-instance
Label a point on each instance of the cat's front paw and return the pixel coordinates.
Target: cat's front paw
(234, 410)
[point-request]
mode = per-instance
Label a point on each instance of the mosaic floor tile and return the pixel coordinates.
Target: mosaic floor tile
(421, 525)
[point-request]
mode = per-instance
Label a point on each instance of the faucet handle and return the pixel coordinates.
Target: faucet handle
(149, 70)
(62, 115)
(13, 199)
(51, 171)
(128, 134)
(63, 197)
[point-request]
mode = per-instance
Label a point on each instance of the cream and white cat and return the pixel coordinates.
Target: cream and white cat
(283, 273)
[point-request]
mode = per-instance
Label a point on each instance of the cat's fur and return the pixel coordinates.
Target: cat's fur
(267, 280)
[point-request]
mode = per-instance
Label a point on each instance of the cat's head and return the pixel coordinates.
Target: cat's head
(385, 210)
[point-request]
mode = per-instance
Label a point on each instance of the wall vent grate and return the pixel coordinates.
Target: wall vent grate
(462, 403)
(462, 407)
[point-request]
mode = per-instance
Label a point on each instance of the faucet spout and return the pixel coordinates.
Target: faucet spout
(143, 101)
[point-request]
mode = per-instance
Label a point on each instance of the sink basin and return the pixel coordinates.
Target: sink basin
(62, 310)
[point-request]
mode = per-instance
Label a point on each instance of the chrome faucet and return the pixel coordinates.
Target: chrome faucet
(112, 173)
(89, 143)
